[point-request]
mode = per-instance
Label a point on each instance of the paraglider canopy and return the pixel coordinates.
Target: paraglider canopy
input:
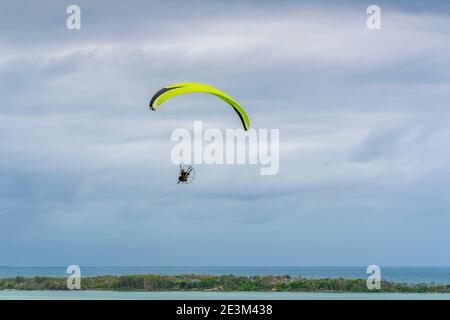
(190, 87)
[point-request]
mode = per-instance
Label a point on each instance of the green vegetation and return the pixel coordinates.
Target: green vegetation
(152, 282)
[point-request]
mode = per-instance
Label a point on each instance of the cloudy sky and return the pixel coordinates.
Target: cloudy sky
(85, 170)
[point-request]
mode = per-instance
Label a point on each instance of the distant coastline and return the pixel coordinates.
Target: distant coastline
(225, 283)
(409, 275)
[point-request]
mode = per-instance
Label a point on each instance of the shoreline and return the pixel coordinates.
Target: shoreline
(214, 283)
(195, 295)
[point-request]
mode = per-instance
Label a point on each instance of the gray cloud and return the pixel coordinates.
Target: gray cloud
(363, 119)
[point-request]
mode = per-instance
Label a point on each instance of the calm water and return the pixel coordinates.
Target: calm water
(108, 295)
(438, 275)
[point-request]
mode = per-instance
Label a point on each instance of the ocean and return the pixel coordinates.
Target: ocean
(437, 275)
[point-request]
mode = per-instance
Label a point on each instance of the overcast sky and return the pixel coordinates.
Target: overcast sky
(85, 170)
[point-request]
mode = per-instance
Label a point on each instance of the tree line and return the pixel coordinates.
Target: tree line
(191, 282)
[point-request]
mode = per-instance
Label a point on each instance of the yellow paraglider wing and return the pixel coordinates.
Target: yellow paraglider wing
(191, 87)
